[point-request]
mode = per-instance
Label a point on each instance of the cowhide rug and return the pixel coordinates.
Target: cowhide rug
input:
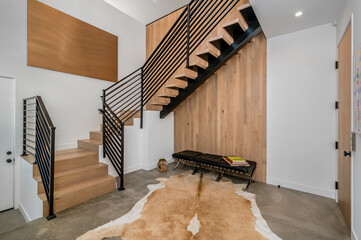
(189, 206)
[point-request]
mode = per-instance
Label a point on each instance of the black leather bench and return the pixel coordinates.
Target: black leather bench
(214, 163)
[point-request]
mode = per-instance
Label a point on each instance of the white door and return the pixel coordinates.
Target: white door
(6, 143)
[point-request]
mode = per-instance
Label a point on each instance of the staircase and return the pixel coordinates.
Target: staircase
(238, 28)
(204, 37)
(67, 177)
(78, 175)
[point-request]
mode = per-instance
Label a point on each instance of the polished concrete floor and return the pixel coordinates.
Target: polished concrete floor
(290, 214)
(11, 219)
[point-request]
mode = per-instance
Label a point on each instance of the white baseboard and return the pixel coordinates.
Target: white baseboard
(24, 213)
(303, 188)
(353, 235)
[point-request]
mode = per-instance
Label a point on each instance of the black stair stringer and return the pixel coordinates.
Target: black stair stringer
(253, 30)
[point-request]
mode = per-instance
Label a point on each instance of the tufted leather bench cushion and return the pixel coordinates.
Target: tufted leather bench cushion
(214, 160)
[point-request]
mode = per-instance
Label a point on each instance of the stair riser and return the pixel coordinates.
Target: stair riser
(72, 199)
(75, 178)
(96, 136)
(71, 163)
(88, 146)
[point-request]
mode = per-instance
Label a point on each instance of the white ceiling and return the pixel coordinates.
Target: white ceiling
(147, 11)
(277, 17)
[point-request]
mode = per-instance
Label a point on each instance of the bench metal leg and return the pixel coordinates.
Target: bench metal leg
(250, 180)
(220, 176)
(248, 184)
(176, 165)
(196, 170)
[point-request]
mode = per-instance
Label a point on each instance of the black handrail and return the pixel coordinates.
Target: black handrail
(39, 141)
(127, 97)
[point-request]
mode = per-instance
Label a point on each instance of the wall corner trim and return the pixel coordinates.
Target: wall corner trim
(24, 213)
(353, 235)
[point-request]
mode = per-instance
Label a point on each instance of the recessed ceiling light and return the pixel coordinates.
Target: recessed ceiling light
(298, 14)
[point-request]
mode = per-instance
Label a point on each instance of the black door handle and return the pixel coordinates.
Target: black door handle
(9, 160)
(347, 153)
(8, 153)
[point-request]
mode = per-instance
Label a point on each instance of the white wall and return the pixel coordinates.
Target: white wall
(144, 147)
(72, 101)
(301, 125)
(30, 204)
(354, 7)
(158, 139)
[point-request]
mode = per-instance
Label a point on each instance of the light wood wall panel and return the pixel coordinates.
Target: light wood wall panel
(60, 42)
(227, 115)
(156, 31)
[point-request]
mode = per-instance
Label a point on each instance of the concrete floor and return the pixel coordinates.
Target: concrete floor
(290, 214)
(11, 219)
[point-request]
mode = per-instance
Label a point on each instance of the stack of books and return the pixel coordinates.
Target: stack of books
(236, 161)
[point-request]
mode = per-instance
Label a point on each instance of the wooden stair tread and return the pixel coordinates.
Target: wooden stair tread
(187, 73)
(237, 22)
(29, 158)
(184, 77)
(203, 54)
(167, 95)
(92, 141)
(244, 6)
(83, 185)
(217, 40)
(161, 101)
(74, 188)
(198, 62)
(177, 85)
(74, 171)
(75, 194)
(72, 153)
(96, 132)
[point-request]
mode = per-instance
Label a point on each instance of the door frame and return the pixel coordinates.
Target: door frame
(15, 175)
(349, 24)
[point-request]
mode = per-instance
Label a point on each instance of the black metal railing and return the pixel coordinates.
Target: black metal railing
(39, 141)
(124, 99)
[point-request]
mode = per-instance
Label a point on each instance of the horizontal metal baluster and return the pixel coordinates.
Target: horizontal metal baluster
(113, 159)
(169, 70)
(134, 78)
(127, 103)
(107, 89)
(119, 94)
(168, 48)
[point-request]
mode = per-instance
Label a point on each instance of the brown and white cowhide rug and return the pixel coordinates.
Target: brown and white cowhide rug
(189, 206)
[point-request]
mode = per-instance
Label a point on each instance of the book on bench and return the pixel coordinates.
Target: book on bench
(236, 161)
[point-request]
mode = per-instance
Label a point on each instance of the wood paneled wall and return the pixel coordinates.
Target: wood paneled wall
(60, 42)
(227, 115)
(157, 30)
